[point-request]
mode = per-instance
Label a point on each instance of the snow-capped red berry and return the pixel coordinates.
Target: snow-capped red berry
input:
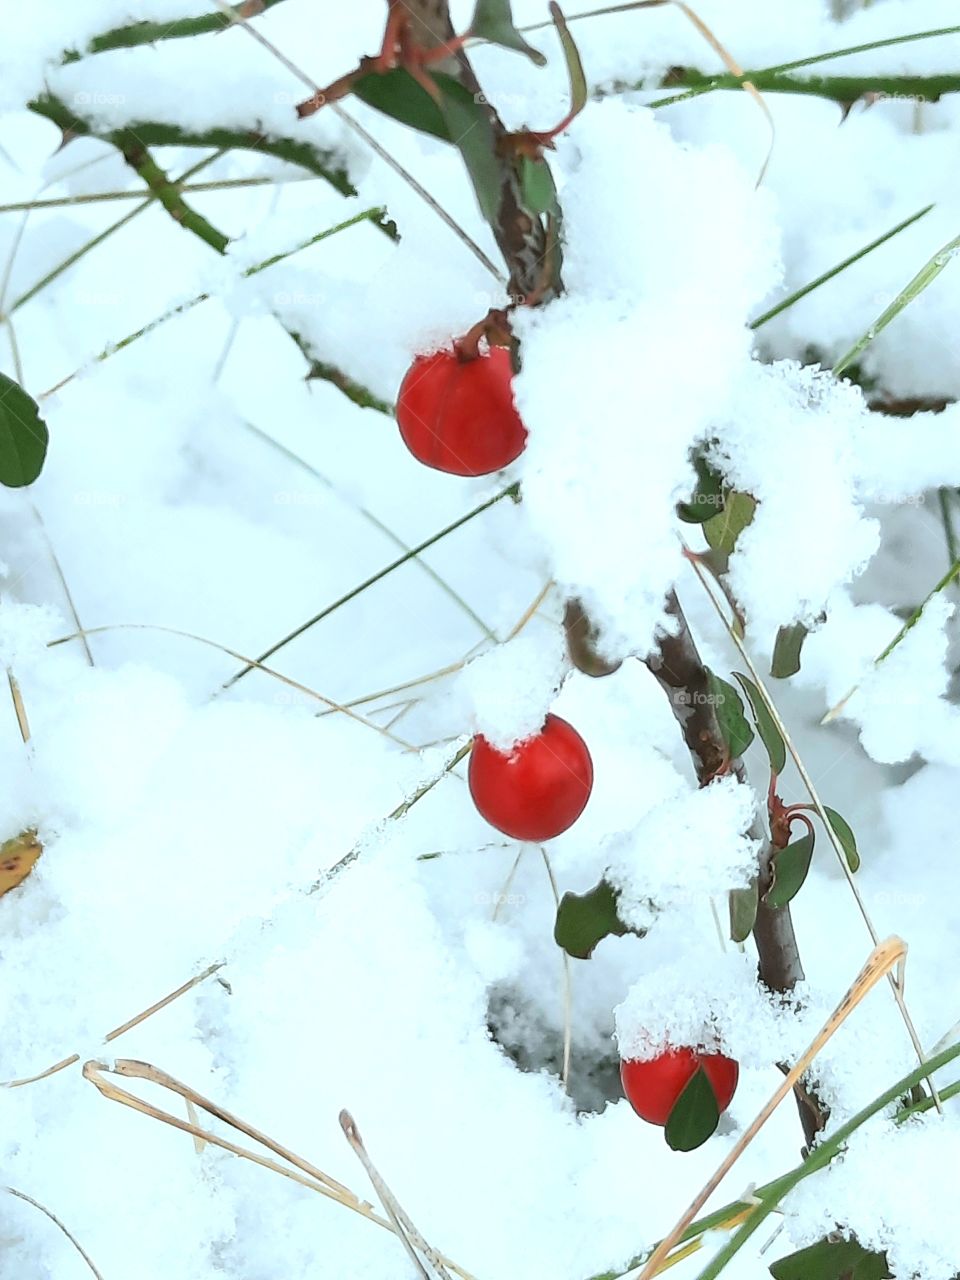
(653, 1086)
(538, 789)
(458, 415)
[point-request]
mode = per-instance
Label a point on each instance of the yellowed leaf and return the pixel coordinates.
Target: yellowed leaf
(17, 859)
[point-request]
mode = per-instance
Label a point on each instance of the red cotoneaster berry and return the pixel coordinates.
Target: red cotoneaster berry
(538, 789)
(653, 1086)
(458, 415)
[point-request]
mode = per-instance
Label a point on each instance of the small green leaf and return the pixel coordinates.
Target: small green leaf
(743, 911)
(584, 919)
(578, 80)
(397, 94)
(790, 867)
(706, 501)
(695, 1115)
(786, 651)
(832, 1259)
(723, 530)
(728, 705)
(770, 735)
(493, 21)
(845, 835)
(536, 182)
(468, 125)
(23, 435)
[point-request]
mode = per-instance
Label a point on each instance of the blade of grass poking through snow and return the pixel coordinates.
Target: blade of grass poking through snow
(435, 775)
(922, 280)
(412, 1240)
(743, 78)
(183, 307)
(950, 576)
(240, 657)
(835, 271)
(818, 1159)
(105, 197)
(294, 1167)
(377, 523)
(881, 960)
(118, 1031)
(510, 492)
(817, 803)
(59, 1225)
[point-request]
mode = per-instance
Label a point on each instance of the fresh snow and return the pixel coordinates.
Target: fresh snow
(201, 496)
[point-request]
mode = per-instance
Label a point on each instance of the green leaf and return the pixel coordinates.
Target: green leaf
(743, 911)
(23, 435)
(493, 21)
(723, 530)
(536, 182)
(770, 735)
(786, 651)
(728, 704)
(584, 919)
(695, 1115)
(706, 500)
(578, 80)
(845, 835)
(469, 127)
(832, 1259)
(397, 94)
(790, 867)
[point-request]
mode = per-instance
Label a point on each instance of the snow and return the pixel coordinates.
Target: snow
(202, 501)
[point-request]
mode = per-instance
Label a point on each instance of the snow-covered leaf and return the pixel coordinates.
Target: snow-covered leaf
(584, 919)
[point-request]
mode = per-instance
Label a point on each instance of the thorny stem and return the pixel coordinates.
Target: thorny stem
(167, 192)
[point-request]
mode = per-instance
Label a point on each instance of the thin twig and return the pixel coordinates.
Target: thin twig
(21, 1195)
(369, 582)
(119, 1031)
(404, 1227)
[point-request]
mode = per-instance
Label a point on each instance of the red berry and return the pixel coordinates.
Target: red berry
(653, 1086)
(538, 789)
(458, 415)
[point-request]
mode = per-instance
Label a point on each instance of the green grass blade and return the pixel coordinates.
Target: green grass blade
(922, 280)
(841, 266)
